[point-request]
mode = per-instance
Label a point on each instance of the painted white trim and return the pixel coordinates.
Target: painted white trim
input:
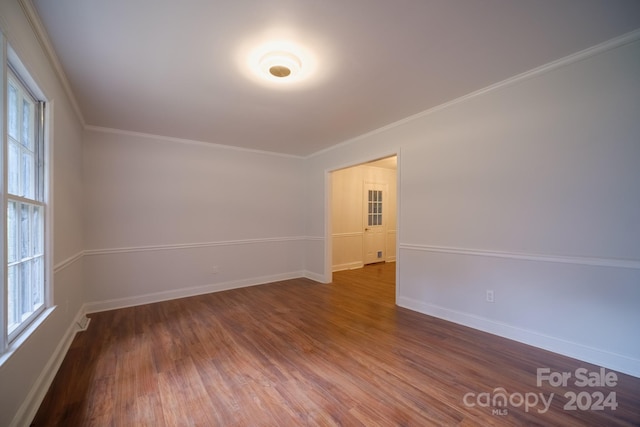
(186, 141)
(392, 235)
(31, 403)
(362, 160)
(536, 72)
(328, 247)
(592, 261)
(4, 289)
(68, 262)
(314, 276)
(43, 37)
(97, 306)
(49, 191)
(348, 266)
(108, 251)
(328, 227)
(399, 211)
(617, 362)
(351, 234)
(26, 333)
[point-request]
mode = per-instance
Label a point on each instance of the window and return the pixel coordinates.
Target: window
(25, 291)
(374, 201)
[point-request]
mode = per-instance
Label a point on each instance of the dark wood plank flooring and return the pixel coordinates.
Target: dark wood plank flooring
(301, 353)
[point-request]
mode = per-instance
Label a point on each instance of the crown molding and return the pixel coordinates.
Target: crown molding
(43, 38)
(614, 43)
(114, 131)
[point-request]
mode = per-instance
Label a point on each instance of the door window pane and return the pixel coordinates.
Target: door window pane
(374, 202)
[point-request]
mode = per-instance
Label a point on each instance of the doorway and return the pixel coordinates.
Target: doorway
(363, 214)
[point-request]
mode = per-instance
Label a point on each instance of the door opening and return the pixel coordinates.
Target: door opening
(363, 214)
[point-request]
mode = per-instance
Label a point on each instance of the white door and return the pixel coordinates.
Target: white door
(374, 242)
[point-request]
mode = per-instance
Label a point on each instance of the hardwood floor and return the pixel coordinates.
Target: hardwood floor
(301, 353)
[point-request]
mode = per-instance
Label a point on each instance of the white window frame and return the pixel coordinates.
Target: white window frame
(9, 342)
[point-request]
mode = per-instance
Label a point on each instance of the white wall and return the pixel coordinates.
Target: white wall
(347, 186)
(25, 376)
(162, 216)
(529, 189)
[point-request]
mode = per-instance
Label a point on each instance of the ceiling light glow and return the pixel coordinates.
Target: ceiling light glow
(280, 63)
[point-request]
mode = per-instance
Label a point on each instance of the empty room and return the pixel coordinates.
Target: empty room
(356, 213)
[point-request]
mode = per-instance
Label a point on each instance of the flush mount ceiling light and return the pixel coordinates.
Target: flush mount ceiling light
(280, 65)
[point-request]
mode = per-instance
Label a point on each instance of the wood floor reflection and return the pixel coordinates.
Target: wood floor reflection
(301, 353)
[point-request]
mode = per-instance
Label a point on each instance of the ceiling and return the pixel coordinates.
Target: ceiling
(178, 68)
(386, 163)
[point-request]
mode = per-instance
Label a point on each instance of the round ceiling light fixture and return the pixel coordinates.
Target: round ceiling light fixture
(280, 65)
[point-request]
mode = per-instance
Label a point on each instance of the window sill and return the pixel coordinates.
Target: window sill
(25, 335)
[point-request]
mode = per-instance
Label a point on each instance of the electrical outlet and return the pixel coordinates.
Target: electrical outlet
(490, 296)
(215, 269)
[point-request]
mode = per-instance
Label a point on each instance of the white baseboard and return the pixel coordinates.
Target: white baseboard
(347, 266)
(616, 362)
(314, 276)
(34, 399)
(36, 395)
(97, 306)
